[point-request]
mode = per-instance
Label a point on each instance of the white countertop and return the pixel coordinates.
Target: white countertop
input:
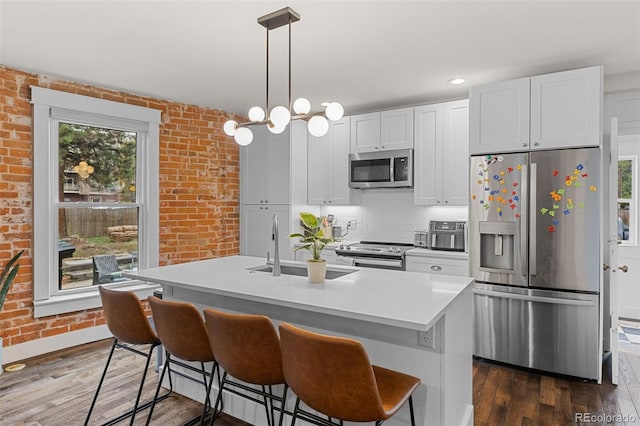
(442, 254)
(410, 300)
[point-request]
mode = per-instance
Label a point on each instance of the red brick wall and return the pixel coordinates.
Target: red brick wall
(199, 185)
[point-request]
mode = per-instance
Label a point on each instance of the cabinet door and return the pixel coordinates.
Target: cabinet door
(255, 231)
(455, 157)
(318, 168)
(339, 192)
(328, 166)
(428, 145)
(566, 108)
(279, 168)
(499, 117)
(256, 227)
(365, 132)
(396, 129)
(253, 168)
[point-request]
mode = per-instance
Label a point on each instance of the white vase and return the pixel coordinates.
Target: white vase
(317, 270)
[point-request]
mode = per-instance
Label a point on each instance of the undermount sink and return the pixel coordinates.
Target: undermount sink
(300, 271)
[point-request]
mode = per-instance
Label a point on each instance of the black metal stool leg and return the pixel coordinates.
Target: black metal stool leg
(104, 373)
(164, 370)
(295, 412)
(207, 404)
(219, 398)
(413, 420)
(283, 405)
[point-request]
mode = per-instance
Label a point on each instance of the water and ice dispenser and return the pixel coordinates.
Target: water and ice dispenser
(497, 246)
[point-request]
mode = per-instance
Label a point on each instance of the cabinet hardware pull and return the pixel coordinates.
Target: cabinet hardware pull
(623, 268)
(605, 267)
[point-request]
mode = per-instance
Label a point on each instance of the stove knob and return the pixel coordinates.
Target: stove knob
(391, 249)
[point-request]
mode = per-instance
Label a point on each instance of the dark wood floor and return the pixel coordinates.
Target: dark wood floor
(56, 389)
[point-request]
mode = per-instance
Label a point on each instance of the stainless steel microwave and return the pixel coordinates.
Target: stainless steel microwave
(383, 169)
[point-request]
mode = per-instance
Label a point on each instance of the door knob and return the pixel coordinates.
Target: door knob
(605, 267)
(623, 268)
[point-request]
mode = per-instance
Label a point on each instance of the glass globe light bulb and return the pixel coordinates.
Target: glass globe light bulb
(230, 127)
(243, 136)
(334, 111)
(256, 114)
(280, 116)
(301, 106)
(318, 126)
(276, 129)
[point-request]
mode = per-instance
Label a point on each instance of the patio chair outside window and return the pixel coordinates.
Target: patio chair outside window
(106, 270)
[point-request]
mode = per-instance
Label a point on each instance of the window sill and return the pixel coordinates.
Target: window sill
(81, 301)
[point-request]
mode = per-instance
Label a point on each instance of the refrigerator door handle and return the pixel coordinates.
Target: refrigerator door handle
(524, 215)
(532, 222)
(540, 299)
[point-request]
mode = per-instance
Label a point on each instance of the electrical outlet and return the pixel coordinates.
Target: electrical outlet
(426, 339)
(351, 223)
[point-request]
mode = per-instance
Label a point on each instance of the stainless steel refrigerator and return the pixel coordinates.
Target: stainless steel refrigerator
(534, 235)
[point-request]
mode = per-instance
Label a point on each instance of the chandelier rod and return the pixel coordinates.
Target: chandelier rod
(267, 85)
(289, 105)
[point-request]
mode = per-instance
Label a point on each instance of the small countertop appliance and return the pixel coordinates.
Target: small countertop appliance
(445, 235)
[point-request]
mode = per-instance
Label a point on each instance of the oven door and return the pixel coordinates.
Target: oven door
(380, 263)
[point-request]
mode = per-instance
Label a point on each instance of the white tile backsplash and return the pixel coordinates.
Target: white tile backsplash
(390, 215)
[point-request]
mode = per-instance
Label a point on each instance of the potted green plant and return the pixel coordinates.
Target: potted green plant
(8, 274)
(313, 239)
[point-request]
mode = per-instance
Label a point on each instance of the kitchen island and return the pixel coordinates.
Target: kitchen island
(416, 323)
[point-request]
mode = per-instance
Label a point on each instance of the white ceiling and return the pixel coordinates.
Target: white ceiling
(365, 54)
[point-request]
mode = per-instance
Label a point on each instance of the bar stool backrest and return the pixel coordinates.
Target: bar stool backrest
(181, 329)
(126, 318)
(246, 346)
(332, 375)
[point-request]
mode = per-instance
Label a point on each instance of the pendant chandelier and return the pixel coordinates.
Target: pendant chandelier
(280, 116)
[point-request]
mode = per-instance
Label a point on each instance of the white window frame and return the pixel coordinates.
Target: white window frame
(50, 106)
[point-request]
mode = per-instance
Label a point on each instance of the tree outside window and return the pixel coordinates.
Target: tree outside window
(626, 179)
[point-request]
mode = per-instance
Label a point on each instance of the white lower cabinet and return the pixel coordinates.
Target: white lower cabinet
(437, 265)
(255, 232)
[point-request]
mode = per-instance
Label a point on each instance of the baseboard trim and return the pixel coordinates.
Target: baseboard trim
(45, 345)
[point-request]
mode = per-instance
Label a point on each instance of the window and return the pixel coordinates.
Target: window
(95, 197)
(627, 175)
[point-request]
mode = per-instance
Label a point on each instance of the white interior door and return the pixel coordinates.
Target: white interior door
(610, 291)
(628, 278)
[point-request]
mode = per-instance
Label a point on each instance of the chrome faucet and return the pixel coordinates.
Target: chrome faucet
(276, 251)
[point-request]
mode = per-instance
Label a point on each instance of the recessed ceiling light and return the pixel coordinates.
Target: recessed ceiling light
(456, 81)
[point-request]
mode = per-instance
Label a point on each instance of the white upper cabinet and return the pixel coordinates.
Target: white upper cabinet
(566, 109)
(379, 131)
(265, 168)
(499, 116)
(558, 110)
(396, 129)
(328, 166)
(365, 132)
(441, 158)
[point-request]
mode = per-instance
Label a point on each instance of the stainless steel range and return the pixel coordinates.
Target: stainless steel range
(374, 254)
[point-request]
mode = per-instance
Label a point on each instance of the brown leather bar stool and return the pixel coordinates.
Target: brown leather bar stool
(183, 334)
(333, 375)
(247, 347)
(129, 325)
